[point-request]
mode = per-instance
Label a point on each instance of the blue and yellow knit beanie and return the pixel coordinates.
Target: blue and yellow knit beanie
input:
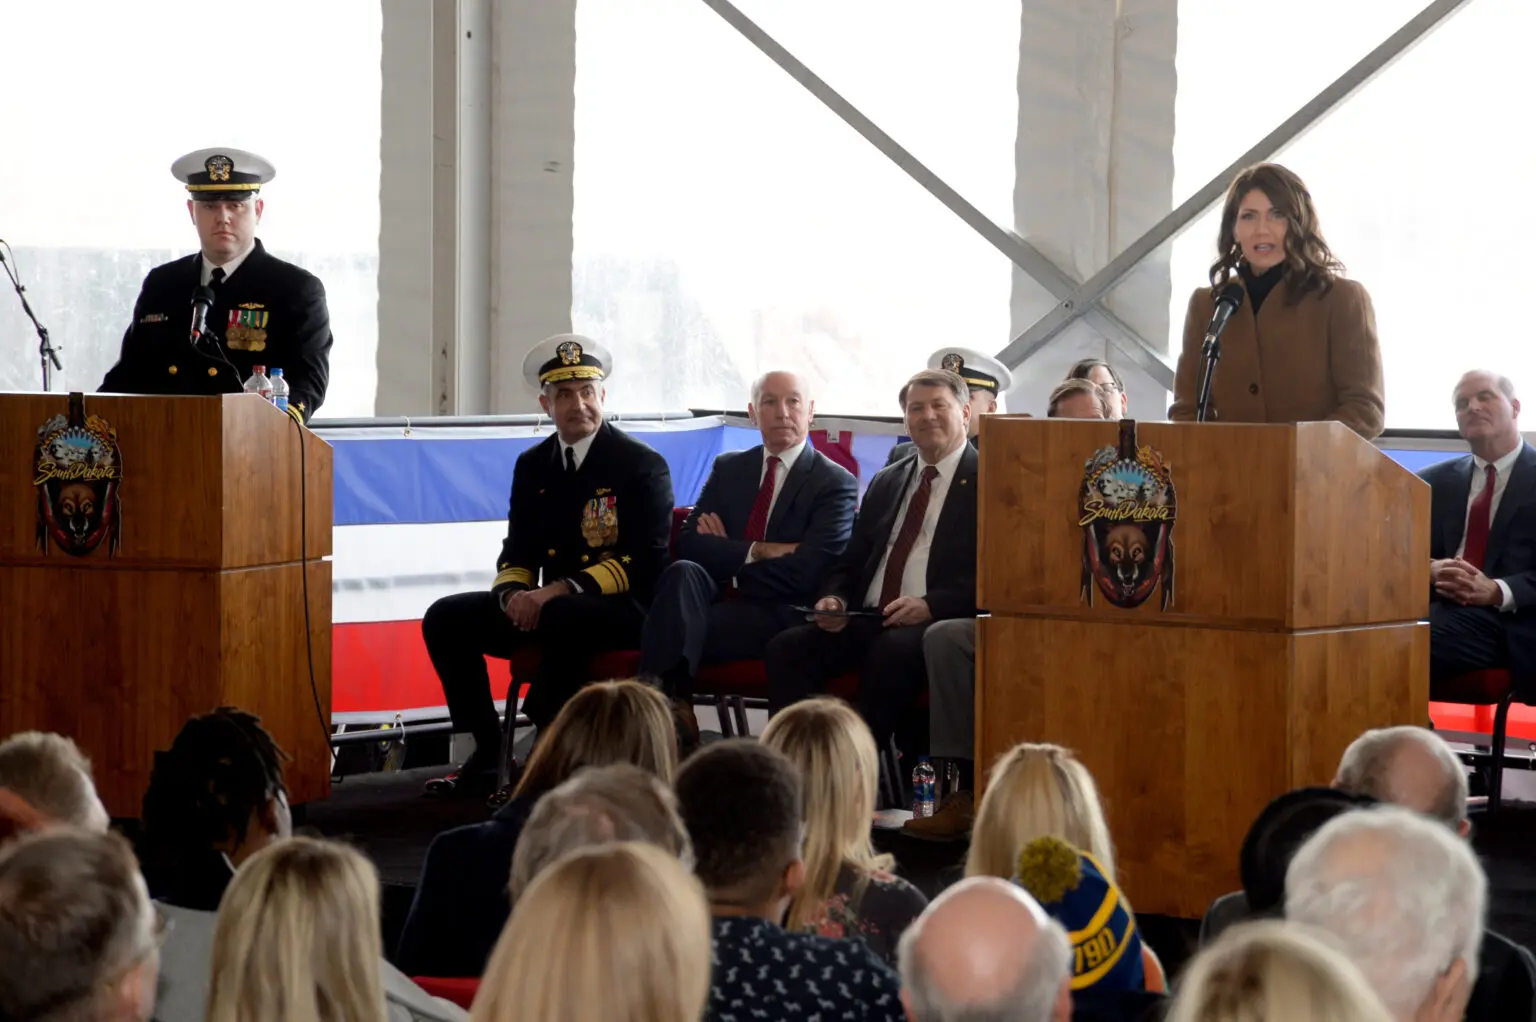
(1072, 887)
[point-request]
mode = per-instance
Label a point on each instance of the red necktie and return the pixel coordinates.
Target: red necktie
(896, 564)
(1478, 524)
(757, 521)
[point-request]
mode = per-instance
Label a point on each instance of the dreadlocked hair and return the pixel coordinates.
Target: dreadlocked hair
(222, 767)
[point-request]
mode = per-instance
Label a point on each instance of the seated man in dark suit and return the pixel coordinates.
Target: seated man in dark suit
(1482, 543)
(911, 561)
(986, 376)
(769, 525)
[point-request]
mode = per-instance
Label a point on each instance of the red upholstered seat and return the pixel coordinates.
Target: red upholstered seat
(1475, 687)
(455, 991)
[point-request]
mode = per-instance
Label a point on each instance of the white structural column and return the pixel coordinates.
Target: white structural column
(532, 148)
(1094, 164)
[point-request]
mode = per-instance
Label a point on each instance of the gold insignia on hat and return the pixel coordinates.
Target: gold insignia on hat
(569, 352)
(218, 168)
(952, 362)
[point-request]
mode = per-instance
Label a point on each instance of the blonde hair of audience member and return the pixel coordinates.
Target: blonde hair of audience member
(1033, 791)
(606, 722)
(1403, 898)
(599, 806)
(835, 753)
(1274, 972)
(619, 933)
(1409, 766)
(52, 775)
(298, 938)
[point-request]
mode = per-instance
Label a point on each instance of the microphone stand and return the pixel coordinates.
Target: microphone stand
(1212, 353)
(47, 353)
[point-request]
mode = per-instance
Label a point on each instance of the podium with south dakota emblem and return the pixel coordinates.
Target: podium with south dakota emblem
(1208, 614)
(157, 559)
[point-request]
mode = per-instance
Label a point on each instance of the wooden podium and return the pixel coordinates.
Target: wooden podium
(1293, 622)
(202, 601)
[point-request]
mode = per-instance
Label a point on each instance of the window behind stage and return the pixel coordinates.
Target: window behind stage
(99, 99)
(1421, 179)
(726, 221)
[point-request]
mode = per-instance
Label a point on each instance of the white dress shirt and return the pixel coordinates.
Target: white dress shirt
(1501, 472)
(229, 268)
(580, 447)
(914, 578)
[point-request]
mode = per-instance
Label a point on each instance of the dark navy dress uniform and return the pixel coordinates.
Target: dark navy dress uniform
(268, 312)
(604, 528)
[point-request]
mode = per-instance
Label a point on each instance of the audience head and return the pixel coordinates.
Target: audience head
(1281, 828)
(1078, 399)
(52, 775)
(1036, 790)
(608, 722)
(599, 806)
(79, 939)
(1274, 971)
(1403, 897)
(298, 938)
(781, 409)
(1411, 767)
(984, 949)
(1107, 952)
(832, 748)
(742, 805)
(1102, 375)
(987, 378)
(218, 789)
(17, 817)
(568, 370)
(936, 406)
(619, 932)
(1487, 413)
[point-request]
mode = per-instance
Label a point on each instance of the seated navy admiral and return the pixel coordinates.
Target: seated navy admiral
(910, 561)
(587, 533)
(265, 311)
(768, 526)
(1482, 544)
(984, 375)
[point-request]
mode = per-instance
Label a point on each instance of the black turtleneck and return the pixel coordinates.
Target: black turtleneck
(1259, 287)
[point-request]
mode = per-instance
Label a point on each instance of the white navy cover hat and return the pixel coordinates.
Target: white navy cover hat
(980, 372)
(566, 357)
(217, 175)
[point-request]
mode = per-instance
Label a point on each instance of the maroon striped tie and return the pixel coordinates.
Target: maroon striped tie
(757, 521)
(896, 564)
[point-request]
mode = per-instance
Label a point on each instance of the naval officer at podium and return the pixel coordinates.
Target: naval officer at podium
(264, 311)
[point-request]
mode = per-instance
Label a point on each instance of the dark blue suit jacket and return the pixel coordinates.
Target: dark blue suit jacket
(951, 558)
(1511, 541)
(814, 508)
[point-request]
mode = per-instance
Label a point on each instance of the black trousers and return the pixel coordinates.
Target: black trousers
(892, 672)
(688, 626)
(461, 631)
(1463, 639)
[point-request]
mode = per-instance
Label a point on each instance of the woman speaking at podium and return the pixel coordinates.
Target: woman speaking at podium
(1301, 344)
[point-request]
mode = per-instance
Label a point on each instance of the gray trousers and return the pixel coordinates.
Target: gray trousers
(949, 647)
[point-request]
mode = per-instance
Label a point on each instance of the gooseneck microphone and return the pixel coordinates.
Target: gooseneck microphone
(1227, 301)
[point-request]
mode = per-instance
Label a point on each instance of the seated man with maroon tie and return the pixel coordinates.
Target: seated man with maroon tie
(1483, 539)
(911, 561)
(767, 527)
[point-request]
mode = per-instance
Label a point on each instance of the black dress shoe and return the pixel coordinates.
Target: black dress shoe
(477, 774)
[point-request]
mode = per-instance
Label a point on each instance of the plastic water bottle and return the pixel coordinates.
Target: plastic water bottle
(924, 789)
(279, 390)
(259, 383)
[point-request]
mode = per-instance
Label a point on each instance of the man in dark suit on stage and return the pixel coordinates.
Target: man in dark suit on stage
(911, 561)
(587, 532)
(1483, 538)
(769, 525)
(987, 379)
(265, 311)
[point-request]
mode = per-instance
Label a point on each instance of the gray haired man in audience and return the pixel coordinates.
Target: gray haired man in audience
(53, 776)
(79, 940)
(1411, 767)
(1403, 898)
(986, 949)
(599, 806)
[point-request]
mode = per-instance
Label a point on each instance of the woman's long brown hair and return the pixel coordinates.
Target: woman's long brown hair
(1309, 264)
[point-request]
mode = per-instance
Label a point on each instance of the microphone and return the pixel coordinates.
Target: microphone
(202, 301)
(1227, 302)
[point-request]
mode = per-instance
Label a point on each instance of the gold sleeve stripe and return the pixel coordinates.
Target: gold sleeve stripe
(520, 576)
(610, 578)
